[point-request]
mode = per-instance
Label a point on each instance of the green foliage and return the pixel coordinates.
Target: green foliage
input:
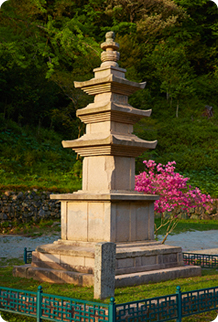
(187, 225)
(190, 140)
(46, 45)
(36, 158)
(31, 229)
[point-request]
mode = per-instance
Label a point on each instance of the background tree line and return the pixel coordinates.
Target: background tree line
(172, 44)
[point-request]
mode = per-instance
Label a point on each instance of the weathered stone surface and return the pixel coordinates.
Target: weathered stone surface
(111, 217)
(156, 276)
(104, 274)
(51, 276)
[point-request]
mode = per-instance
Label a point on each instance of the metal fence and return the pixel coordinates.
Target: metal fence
(52, 307)
(203, 260)
(58, 308)
(170, 307)
(27, 255)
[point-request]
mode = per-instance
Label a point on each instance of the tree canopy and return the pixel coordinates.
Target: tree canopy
(46, 45)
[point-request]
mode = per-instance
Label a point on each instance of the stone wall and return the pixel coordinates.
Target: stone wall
(197, 213)
(27, 206)
(33, 205)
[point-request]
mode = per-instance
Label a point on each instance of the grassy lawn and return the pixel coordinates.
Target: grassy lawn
(209, 277)
(188, 225)
(42, 227)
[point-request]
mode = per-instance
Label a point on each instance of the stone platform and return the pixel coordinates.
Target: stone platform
(136, 263)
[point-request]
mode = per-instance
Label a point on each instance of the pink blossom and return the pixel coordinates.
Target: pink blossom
(159, 179)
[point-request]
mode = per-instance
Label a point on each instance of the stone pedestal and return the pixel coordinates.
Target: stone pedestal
(136, 263)
(107, 209)
(106, 217)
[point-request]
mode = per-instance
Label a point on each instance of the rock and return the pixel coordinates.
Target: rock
(56, 223)
(195, 217)
(20, 195)
(183, 215)
(41, 213)
(205, 217)
(214, 217)
(3, 216)
(8, 193)
(199, 210)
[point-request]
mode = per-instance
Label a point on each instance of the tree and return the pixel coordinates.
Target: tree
(174, 71)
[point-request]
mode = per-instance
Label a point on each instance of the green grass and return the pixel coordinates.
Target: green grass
(40, 228)
(35, 158)
(31, 229)
(189, 225)
(209, 278)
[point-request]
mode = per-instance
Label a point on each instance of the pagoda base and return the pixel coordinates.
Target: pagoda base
(107, 216)
(136, 263)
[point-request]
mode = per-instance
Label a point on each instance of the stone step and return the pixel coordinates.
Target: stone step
(53, 275)
(130, 257)
(82, 279)
(156, 276)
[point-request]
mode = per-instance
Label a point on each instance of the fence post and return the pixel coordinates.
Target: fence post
(39, 304)
(112, 310)
(179, 303)
(25, 255)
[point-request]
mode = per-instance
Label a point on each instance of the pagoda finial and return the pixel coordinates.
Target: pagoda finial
(110, 56)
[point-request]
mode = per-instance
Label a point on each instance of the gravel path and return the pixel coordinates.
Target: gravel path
(12, 246)
(194, 240)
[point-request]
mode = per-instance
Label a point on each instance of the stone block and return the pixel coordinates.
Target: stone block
(108, 173)
(104, 274)
(149, 260)
(73, 261)
(36, 256)
(125, 263)
(77, 219)
(111, 217)
(156, 276)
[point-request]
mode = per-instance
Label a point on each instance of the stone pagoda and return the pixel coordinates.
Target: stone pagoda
(107, 209)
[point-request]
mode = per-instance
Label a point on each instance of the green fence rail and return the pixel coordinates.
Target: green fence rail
(27, 255)
(170, 307)
(52, 307)
(203, 260)
(58, 308)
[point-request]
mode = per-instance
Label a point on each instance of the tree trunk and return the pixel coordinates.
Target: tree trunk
(177, 109)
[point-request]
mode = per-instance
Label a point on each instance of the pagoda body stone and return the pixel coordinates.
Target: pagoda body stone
(107, 209)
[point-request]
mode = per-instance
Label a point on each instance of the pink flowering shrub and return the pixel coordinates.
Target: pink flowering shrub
(172, 188)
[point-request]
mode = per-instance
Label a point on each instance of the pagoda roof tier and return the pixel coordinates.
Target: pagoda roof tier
(101, 112)
(114, 144)
(110, 83)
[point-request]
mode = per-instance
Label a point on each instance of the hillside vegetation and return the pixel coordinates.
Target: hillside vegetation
(46, 45)
(34, 158)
